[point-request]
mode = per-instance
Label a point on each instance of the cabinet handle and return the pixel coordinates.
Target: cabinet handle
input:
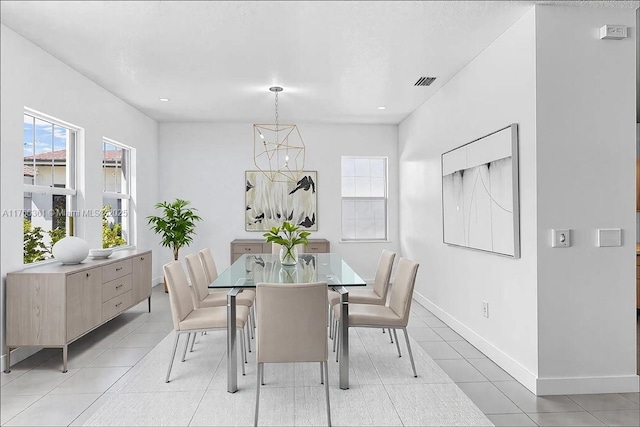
(119, 268)
(141, 258)
(119, 304)
(88, 274)
(247, 249)
(118, 287)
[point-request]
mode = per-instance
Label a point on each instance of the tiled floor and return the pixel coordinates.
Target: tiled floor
(36, 393)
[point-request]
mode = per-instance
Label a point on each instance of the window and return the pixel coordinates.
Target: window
(48, 183)
(364, 198)
(116, 172)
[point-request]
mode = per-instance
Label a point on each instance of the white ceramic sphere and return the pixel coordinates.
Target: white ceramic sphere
(70, 250)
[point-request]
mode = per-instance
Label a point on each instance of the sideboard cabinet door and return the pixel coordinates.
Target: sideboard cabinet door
(84, 302)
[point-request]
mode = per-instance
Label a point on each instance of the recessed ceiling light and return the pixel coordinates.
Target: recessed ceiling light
(165, 99)
(382, 107)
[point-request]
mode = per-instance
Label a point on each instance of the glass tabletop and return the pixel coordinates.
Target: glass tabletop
(249, 270)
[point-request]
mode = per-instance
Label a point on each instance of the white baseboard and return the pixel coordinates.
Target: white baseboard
(538, 386)
(588, 385)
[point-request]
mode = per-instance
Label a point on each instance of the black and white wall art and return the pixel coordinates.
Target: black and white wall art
(480, 194)
(269, 204)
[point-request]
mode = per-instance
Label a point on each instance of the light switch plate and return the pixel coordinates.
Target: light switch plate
(560, 238)
(608, 237)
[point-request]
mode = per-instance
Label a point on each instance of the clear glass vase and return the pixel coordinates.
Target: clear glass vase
(288, 256)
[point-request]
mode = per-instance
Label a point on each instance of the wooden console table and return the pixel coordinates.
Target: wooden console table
(52, 305)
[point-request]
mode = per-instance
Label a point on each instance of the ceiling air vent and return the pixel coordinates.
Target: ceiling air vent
(424, 81)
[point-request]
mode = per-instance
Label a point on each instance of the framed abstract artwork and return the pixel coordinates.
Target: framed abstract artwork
(269, 204)
(480, 205)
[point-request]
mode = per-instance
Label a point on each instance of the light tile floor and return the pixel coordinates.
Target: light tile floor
(37, 393)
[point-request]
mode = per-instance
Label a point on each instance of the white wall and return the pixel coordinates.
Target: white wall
(32, 78)
(205, 164)
(496, 89)
(586, 180)
(561, 320)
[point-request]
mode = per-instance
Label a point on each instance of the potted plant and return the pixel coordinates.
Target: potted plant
(288, 235)
(176, 226)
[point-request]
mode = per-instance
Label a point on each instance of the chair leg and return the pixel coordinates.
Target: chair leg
(252, 316)
(186, 346)
(260, 370)
(326, 391)
(262, 375)
(249, 333)
(193, 342)
(338, 334)
(391, 336)
(395, 334)
(173, 356)
(413, 365)
(330, 322)
(321, 372)
(242, 349)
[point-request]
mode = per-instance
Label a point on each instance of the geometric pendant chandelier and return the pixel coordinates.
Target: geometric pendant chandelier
(278, 150)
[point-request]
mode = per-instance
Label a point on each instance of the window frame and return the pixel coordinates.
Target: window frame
(384, 198)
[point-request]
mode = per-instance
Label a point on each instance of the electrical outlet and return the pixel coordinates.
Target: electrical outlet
(485, 309)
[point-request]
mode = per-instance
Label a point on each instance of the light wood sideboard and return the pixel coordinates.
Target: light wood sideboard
(259, 246)
(52, 305)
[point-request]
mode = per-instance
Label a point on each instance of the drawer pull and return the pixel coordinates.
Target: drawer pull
(88, 274)
(118, 287)
(119, 304)
(141, 258)
(313, 248)
(247, 249)
(119, 268)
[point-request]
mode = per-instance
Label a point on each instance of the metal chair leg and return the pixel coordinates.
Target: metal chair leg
(395, 334)
(173, 356)
(193, 342)
(252, 320)
(262, 374)
(244, 352)
(186, 346)
(413, 365)
(260, 368)
(326, 391)
(321, 373)
(391, 336)
(249, 332)
(338, 334)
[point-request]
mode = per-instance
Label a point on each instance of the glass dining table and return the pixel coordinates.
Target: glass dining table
(249, 270)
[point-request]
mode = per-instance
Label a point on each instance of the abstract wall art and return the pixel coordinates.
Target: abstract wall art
(269, 204)
(480, 194)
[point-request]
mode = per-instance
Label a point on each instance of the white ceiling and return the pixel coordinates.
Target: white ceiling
(338, 61)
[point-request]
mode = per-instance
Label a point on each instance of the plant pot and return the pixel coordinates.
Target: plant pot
(288, 256)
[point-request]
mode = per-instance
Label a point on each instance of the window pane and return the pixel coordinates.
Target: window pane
(114, 222)
(377, 167)
(377, 187)
(348, 166)
(348, 187)
(45, 223)
(362, 167)
(348, 209)
(348, 229)
(363, 186)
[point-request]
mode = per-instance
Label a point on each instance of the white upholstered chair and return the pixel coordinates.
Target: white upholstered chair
(377, 295)
(292, 327)
(395, 315)
(245, 297)
(187, 319)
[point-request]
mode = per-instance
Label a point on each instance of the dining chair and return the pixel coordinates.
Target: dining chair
(189, 320)
(377, 295)
(245, 297)
(202, 297)
(394, 315)
(292, 327)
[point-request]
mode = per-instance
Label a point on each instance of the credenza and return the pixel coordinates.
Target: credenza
(259, 246)
(52, 305)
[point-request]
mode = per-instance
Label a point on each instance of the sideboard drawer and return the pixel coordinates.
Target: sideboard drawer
(115, 305)
(248, 248)
(317, 247)
(116, 287)
(117, 269)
